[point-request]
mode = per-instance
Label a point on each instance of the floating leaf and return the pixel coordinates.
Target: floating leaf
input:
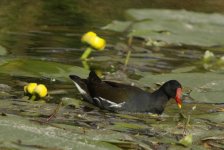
(118, 26)
(206, 87)
(184, 69)
(71, 101)
(37, 68)
(19, 133)
(216, 142)
(123, 125)
(214, 117)
(173, 26)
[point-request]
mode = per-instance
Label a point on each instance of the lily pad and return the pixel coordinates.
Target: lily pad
(123, 125)
(174, 27)
(206, 87)
(20, 133)
(66, 101)
(120, 26)
(37, 68)
(181, 15)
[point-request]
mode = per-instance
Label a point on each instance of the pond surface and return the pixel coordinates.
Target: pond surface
(40, 42)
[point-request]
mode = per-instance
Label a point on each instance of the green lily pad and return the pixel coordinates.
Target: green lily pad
(181, 15)
(120, 26)
(20, 133)
(37, 68)
(71, 102)
(218, 117)
(123, 125)
(206, 87)
(184, 69)
(173, 26)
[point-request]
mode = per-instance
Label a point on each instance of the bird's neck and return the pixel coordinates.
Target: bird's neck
(161, 96)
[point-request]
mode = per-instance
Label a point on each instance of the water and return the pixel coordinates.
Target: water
(49, 32)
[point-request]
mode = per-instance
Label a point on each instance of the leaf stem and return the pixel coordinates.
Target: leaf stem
(54, 112)
(129, 51)
(86, 53)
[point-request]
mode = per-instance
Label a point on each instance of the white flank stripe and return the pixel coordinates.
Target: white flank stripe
(80, 89)
(112, 104)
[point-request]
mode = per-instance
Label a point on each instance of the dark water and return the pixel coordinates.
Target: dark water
(51, 31)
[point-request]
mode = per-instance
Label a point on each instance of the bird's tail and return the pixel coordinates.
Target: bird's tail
(81, 85)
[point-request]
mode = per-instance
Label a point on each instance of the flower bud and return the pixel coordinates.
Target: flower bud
(41, 90)
(30, 88)
(94, 41)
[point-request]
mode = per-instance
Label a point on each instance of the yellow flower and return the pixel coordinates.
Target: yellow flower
(30, 88)
(87, 36)
(93, 40)
(97, 43)
(40, 90)
(34, 91)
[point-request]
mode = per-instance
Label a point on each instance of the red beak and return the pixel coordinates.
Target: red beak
(178, 97)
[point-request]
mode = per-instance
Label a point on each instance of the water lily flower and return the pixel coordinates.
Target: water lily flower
(29, 89)
(35, 91)
(87, 36)
(40, 90)
(94, 42)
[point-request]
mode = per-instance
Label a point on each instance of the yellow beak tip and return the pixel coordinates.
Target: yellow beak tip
(179, 105)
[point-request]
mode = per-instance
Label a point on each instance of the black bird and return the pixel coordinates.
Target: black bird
(121, 97)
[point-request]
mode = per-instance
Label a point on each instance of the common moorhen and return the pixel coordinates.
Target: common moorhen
(121, 97)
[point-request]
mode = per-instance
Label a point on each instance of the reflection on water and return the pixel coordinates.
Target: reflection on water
(27, 27)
